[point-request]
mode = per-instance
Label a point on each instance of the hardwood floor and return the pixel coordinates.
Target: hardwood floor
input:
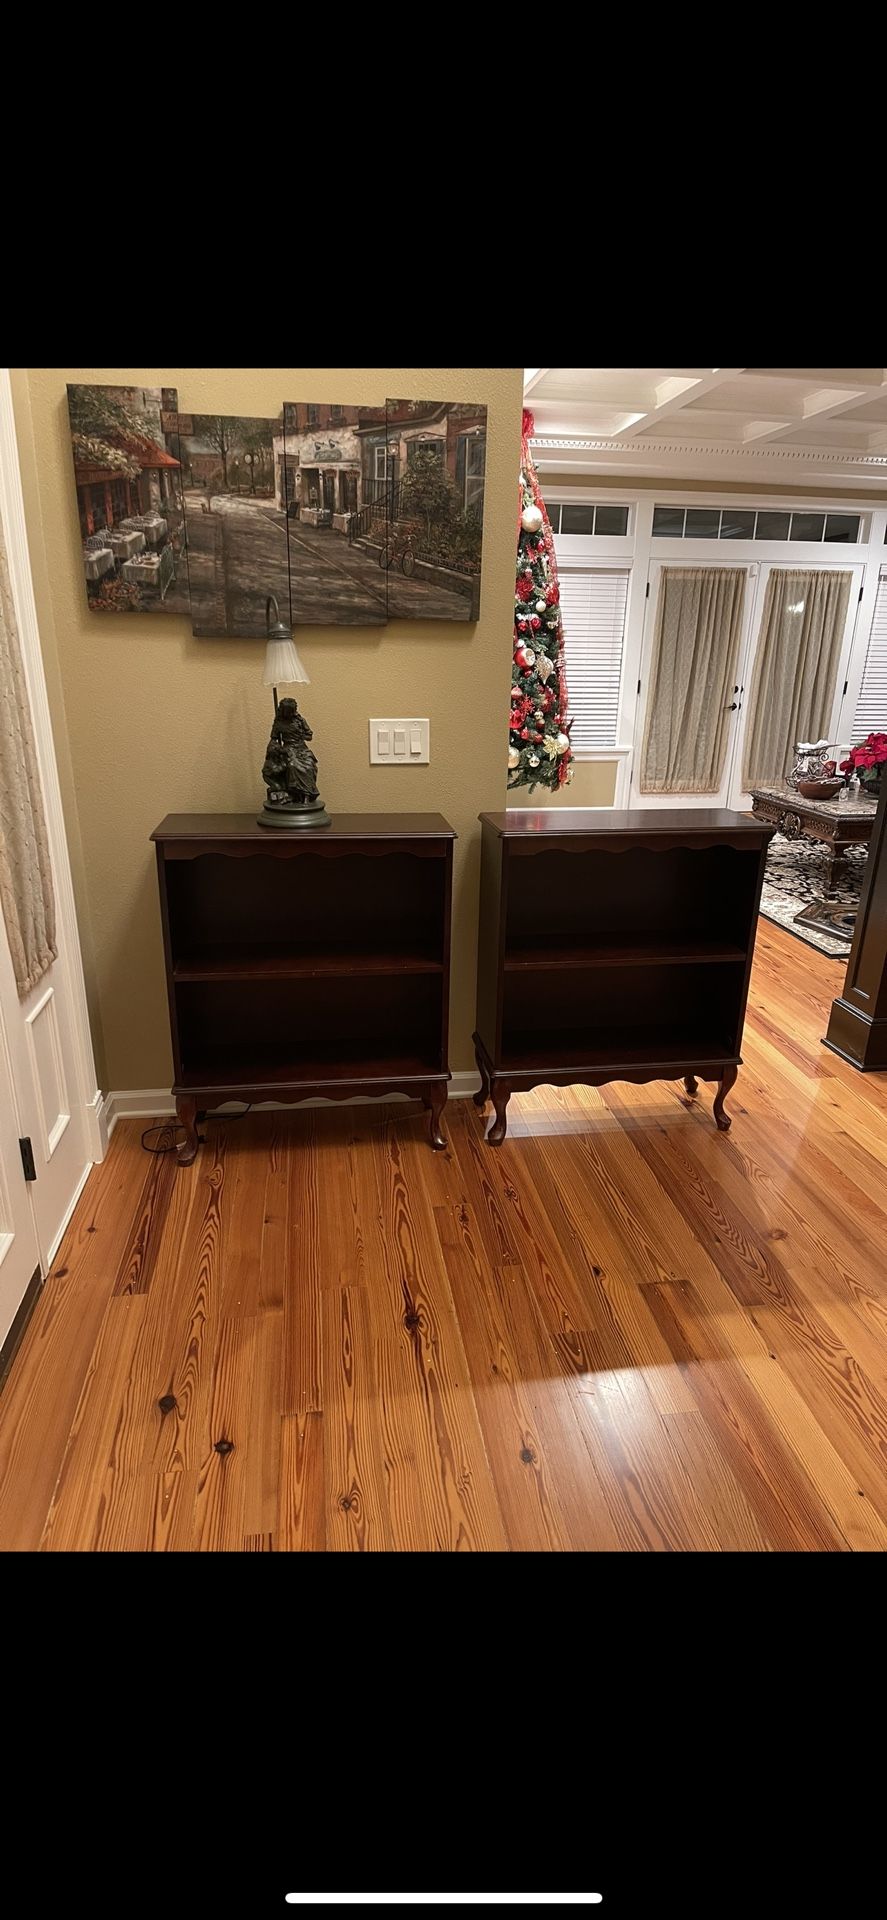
(621, 1330)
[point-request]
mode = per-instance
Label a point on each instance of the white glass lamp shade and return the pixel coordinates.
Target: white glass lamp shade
(283, 668)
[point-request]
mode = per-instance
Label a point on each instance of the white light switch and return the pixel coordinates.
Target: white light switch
(406, 742)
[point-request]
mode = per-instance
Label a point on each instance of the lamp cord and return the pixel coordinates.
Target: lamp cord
(175, 1126)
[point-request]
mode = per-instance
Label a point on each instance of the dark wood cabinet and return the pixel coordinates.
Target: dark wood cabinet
(306, 963)
(614, 946)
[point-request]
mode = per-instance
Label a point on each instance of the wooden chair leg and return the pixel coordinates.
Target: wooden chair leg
(727, 1080)
(691, 1083)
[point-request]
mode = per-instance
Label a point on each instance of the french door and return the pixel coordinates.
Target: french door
(696, 641)
(813, 601)
(719, 642)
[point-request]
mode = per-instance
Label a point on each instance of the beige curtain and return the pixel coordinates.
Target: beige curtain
(793, 685)
(695, 655)
(26, 894)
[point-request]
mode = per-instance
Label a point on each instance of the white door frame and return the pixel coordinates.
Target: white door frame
(13, 513)
(759, 558)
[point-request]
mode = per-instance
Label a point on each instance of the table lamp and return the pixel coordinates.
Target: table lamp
(290, 767)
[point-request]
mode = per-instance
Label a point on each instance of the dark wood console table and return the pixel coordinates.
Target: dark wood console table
(614, 946)
(838, 823)
(306, 963)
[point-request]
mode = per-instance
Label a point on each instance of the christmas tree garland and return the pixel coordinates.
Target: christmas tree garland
(539, 751)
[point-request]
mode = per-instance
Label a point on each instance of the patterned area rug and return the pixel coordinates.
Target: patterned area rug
(794, 884)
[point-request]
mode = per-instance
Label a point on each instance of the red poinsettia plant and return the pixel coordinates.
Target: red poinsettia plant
(872, 753)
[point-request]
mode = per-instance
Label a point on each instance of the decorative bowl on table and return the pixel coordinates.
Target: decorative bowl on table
(819, 789)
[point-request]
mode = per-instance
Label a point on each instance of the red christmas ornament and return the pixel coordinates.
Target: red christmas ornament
(524, 588)
(525, 733)
(535, 623)
(553, 595)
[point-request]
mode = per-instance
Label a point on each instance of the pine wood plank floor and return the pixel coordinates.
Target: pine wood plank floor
(621, 1330)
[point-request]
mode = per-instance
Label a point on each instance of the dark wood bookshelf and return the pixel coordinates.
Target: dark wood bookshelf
(614, 946)
(306, 963)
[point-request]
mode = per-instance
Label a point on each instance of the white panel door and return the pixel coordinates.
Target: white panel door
(41, 1032)
(39, 1048)
(19, 1253)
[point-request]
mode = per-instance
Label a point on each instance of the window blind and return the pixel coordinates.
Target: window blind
(871, 707)
(593, 603)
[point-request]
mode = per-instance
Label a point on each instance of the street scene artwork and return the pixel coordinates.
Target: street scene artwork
(128, 477)
(350, 515)
(326, 466)
(237, 534)
(435, 460)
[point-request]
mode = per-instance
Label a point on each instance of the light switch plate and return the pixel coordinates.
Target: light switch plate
(400, 743)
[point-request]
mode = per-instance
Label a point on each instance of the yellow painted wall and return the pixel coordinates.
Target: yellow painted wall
(149, 720)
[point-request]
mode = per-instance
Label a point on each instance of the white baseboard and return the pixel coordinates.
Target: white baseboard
(97, 1127)
(154, 1103)
(136, 1103)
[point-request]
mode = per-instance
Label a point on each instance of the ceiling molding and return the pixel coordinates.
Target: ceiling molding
(757, 451)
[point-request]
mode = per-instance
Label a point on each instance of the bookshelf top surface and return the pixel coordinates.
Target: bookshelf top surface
(345, 826)
(599, 822)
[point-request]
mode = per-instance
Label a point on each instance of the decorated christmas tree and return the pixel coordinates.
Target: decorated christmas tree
(539, 751)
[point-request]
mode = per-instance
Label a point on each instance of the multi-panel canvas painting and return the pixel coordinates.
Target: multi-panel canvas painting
(128, 477)
(328, 458)
(350, 515)
(434, 502)
(237, 538)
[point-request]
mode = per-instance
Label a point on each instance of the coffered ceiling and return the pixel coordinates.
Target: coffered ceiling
(789, 424)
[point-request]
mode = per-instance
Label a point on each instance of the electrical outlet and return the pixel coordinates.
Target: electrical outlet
(400, 743)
